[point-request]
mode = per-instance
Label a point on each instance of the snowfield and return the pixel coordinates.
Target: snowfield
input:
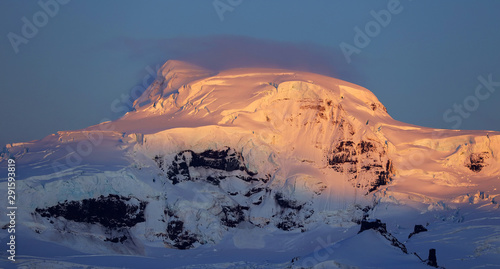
(255, 168)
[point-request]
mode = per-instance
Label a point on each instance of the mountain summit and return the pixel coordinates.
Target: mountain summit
(275, 167)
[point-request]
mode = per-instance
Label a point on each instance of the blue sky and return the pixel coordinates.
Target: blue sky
(86, 54)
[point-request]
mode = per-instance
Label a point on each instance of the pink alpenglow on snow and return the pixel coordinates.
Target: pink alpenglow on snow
(258, 168)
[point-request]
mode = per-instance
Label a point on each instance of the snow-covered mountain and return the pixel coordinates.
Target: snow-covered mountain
(256, 168)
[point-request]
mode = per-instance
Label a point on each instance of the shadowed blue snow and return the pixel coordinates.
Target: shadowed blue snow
(87, 54)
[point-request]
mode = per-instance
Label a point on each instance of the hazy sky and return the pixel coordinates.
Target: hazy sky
(63, 63)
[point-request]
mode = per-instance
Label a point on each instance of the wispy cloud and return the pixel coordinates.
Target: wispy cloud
(225, 52)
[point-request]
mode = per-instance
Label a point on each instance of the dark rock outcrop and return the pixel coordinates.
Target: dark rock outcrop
(289, 222)
(292, 213)
(343, 153)
(224, 163)
(432, 260)
(417, 229)
(476, 161)
(120, 239)
(231, 216)
(287, 203)
(112, 211)
(380, 227)
(115, 214)
(365, 162)
(376, 225)
(179, 237)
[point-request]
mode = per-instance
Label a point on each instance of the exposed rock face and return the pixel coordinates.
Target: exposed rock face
(220, 162)
(292, 213)
(223, 169)
(365, 162)
(344, 157)
(476, 161)
(112, 211)
(432, 260)
(380, 227)
(376, 225)
(114, 215)
(287, 203)
(178, 237)
(417, 229)
(231, 216)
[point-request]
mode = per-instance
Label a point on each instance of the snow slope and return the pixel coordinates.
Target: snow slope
(256, 168)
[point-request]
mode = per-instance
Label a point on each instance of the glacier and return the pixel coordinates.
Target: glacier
(255, 168)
